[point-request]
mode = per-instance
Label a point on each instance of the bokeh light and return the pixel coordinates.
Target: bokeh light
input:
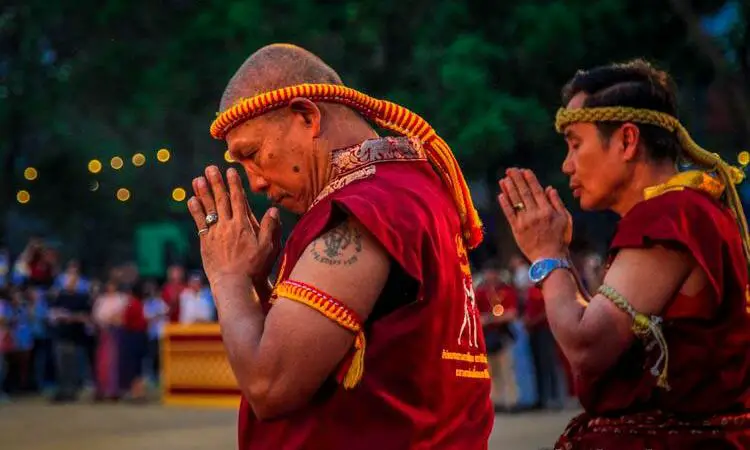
(744, 158)
(163, 155)
(23, 197)
(139, 159)
(94, 186)
(228, 157)
(123, 194)
(95, 166)
(116, 163)
(30, 173)
(498, 310)
(178, 194)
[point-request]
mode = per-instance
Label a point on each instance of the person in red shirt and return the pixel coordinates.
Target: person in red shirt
(498, 305)
(661, 352)
(134, 345)
(371, 338)
(171, 291)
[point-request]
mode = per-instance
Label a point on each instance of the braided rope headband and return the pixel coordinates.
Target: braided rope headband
(385, 114)
(728, 174)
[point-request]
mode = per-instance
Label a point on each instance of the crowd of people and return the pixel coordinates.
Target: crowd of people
(63, 333)
(527, 368)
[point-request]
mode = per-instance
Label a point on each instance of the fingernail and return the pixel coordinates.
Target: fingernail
(274, 213)
(201, 182)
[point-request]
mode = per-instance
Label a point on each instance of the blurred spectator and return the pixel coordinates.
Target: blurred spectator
(41, 357)
(133, 345)
(498, 306)
(72, 269)
(4, 267)
(23, 340)
(108, 314)
(172, 289)
(70, 311)
(519, 268)
(157, 315)
(551, 382)
(6, 340)
(193, 306)
(593, 271)
(208, 299)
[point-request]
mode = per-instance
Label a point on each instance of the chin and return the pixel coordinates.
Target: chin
(290, 205)
(589, 204)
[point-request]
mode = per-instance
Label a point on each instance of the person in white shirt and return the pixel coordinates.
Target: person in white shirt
(193, 308)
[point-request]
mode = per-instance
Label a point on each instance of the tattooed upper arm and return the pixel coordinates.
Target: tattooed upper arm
(339, 246)
(347, 262)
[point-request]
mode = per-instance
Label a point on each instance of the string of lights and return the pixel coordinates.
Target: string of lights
(96, 166)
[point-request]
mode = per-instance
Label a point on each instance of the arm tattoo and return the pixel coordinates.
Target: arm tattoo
(339, 246)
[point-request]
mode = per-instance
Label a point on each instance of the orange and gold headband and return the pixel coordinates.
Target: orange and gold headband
(385, 114)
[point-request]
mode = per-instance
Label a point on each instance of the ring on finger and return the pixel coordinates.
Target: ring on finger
(519, 206)
(202, 231)
(211, 218)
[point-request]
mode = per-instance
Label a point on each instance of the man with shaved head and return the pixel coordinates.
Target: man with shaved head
(370, 337)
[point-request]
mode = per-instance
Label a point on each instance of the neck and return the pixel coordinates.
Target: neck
(353, 133)
(645, 175)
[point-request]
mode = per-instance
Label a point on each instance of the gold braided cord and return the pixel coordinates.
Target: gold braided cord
(386, 114)
(643, 326)
(728, 174)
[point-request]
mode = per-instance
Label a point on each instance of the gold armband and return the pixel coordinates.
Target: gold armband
(643, 326)
(335, 311)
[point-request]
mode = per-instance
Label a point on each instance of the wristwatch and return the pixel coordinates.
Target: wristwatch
(541, 268)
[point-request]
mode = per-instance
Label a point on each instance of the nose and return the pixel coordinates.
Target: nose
(258, 184)
(567, 166)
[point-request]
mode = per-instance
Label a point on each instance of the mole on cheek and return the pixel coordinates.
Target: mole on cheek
(295, 169)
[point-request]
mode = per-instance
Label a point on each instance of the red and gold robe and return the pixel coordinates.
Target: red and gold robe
(426, 383)
(708, 340)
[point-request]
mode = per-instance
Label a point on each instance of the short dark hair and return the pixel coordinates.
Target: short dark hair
(636, 84)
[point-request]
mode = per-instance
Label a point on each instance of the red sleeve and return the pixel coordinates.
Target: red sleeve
(687, 220)
(408, 210)
(509, 298)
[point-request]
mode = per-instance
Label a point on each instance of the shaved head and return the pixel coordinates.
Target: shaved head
(273, 67)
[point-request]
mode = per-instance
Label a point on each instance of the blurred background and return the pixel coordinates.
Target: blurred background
(105, 108)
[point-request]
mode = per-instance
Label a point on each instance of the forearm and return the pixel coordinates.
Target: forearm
(241, 320)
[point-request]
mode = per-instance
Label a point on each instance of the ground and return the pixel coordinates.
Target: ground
(34, 424)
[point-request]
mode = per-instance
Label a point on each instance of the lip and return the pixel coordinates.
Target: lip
(576, 188)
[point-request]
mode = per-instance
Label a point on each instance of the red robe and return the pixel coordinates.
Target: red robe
(426, 383)
(708, 340)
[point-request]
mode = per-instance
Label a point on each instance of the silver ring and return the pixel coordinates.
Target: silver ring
(202, 231)
(211, 218)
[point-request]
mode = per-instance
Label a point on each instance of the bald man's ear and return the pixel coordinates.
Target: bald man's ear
(307, 111)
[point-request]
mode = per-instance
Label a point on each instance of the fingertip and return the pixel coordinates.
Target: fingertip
(274, 213)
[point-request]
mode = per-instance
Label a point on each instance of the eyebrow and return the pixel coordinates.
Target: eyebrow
(569, 134)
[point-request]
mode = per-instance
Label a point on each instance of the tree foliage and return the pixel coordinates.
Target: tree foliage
(84, 79)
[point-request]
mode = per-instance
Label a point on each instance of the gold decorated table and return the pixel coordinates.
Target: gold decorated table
(195, 370)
